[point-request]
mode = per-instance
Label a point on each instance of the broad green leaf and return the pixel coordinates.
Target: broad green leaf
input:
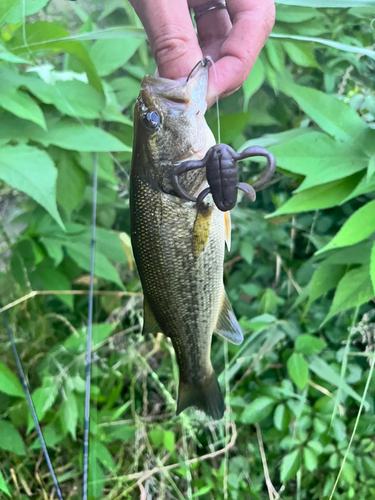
(43, 398)
(32, 171)
(290, 465)
(96, 477)
(357, 228)
(372, 267)
(298, 370)
(5, 55)
(169, 441)
(112, 33)
(6, 7)
(105, 165)
(45, 36)
(301, 54)
(3, 485)
(324, 196)
(310, 459)
(319, 158)
(258, 410)
(71, 182)
(324, 279)
(9, 383)
(286, 14)
(102, 454)
(46, 277)
(69, 413)
(108, 56)
(371, 167)
(276, 54)
(23, 7)
(125, 90)
(354, 289)
(22, 105)
(348, 473)
(306, 344)
(323, 370)
(10, 438)
(247, 251)
(330, 43)
(253, 82)
(281, 418)
(324, 110)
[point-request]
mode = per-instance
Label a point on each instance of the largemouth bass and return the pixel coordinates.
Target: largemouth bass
(179, 250)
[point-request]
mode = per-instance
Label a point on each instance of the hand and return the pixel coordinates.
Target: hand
(233, 37)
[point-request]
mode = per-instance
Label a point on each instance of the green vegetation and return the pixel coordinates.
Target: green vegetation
(299, 389)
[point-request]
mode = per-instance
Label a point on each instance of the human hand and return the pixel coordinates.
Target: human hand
(232, 37)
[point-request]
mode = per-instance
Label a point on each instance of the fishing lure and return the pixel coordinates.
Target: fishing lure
(220, 162)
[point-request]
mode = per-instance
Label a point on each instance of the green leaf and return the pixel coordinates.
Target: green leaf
(71, 182)
(319, 158)
(46, 277)
(100, 332)
(325, 279)
(324, 196)
(324, 110)
(372, 267)
(276, 54)
(3, 485)
(101, 453)
(253, 82)
(9, 383)
(348, 473)
(286, 14)
(301, 54)
(69, 413)
(247, 251)
(290, 465)
(23, 7)
(298, 370)
(258, 410)
(344, 4)
(22, 105)
(354, 289)
(10, 439)
(310, 459)
(306, 344)
(32, 171)
(6, 7)
(108, 56)
(169, 441)
(371, 168)
(43, 398)
(357, 228)
(281, 418)
(327, 373)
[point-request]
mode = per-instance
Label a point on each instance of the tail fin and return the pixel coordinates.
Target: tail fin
(206, 396)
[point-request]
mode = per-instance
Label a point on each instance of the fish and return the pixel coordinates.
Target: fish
(179, 247)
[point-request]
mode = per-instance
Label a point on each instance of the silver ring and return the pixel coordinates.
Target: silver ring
(207, 7)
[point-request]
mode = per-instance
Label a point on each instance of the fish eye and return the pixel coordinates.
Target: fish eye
(151, 119)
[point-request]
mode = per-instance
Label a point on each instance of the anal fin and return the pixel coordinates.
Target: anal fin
(227, 325)
(150, 325)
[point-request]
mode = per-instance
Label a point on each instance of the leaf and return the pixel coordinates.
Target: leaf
(32, 171)
(320, 158)
(253, 82)
(286, 14)
(357, 228)
(353, 290)
(372, 267)
(310, 459)
(9, 383)
(71, 182)
(108, 56)
(328, 3)
(169, 441)
(100, 332)
(325, 279)
(301, 54)
(43, 398)
(24, 7)
(324, 196)
(298, 370)
(46, 277)
(281, 418)
(3, 485)
(276, 54)
(290, 465)
(324, 110)
(336, 45)
(101, 453)
(6, 7)
(10, 439)
(258, 410)
(22, 105)
(327, 373)
(247, 251)
(306, 344)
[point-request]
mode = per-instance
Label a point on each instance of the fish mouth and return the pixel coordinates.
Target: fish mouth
(156, 91)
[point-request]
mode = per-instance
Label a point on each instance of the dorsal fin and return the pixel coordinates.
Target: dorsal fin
(227, 325)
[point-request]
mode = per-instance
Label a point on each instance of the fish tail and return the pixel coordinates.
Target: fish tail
(206, 396)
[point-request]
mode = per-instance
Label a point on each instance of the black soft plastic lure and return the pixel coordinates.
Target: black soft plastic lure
(222, 175)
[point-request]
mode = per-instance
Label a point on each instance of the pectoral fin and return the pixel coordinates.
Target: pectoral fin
(150, 325)
(227, 325)
(228, 228)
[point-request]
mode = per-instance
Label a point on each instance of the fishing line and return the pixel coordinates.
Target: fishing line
(209, 58)
(31, 406)
(89, 332)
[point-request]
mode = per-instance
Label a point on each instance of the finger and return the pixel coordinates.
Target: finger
(213, 28)
(171, 34)
(252, 23)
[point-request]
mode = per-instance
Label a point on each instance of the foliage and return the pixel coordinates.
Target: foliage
(301, 279)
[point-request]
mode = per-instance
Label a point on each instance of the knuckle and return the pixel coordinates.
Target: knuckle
(170, 47)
